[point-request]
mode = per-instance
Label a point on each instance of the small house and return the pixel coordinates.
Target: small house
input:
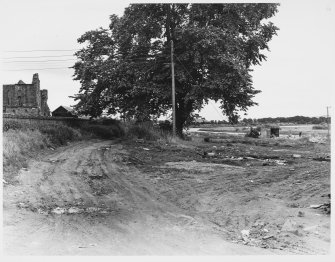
(64, 111)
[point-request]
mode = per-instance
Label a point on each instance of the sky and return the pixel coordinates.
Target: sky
(297, 78)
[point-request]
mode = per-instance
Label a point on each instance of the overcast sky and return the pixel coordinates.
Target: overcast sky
(296, 79)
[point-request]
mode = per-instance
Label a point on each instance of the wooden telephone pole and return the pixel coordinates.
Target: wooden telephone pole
(328, 121)
(173, 94)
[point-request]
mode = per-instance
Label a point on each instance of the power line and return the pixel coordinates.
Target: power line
(34, 56)
(41, 50)
(39, 69)
(42, 61)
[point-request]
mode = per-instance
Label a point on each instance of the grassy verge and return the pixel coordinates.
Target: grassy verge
(23, 141)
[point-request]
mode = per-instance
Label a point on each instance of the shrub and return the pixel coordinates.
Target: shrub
(143, 132)
(320, 127)
(105, 132)
(59, 134)
(106, 129)
(254, 133)
(11, 124)
(19, 146)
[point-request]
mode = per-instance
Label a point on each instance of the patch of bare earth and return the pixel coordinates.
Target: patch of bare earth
(127, 198)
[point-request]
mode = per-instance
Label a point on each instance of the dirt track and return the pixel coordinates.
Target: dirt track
(97, 198)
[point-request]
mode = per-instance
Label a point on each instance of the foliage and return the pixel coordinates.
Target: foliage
(11, 124)
(293, 119)
(254, 133)
(103, 131)
(125, 69)
(320, 127)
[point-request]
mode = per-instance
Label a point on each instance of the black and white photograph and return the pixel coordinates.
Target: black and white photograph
(162, 128)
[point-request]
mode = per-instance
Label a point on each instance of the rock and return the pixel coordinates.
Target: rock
(291, 227)
(301, 214)
(326, 158)
(22, 205)
(74, 210)
(316, 206)
(296, 156)
(211, 154)
(58, 210)
(146, 149)
(93, 176)
(245, 232)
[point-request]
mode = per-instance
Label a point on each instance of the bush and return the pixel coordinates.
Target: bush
(143, 132)
(11, 124)
(59, 134)
(254, 133)
(19, 146)
(320, 127)
(105, 132)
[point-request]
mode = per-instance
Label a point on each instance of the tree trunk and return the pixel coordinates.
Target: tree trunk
(182, 114)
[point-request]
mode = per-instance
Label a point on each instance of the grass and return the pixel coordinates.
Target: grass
(24, 140)
(320, 127)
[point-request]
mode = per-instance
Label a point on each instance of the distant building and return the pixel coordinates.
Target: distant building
(25, 99)
(64, 111)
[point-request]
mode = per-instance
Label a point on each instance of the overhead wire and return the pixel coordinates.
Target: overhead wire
(37, 69)
(22, 57)
(41, 50)
(38, 61)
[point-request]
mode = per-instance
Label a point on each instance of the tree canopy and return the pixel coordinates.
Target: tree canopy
(126, 68)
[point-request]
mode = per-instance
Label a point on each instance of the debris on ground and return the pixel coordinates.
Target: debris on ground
(325, 207)
(322, 158)
(296, 156)
(58, 210)
(291, 227)
(301, 214)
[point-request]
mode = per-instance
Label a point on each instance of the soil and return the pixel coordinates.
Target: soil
(192, 198)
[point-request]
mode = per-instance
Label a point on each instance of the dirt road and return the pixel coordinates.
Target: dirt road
(97, 198)
(81, 199)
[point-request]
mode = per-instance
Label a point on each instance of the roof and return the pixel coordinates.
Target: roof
(21, 82)
(67, 108)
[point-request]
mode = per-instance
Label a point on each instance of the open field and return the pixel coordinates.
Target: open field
(126, 197)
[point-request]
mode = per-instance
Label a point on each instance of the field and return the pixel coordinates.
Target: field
(234, 195)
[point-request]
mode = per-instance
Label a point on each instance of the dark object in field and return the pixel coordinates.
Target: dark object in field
(254, 133)
(325, 207)
(274, 132)
(206, 139)
(322, 158)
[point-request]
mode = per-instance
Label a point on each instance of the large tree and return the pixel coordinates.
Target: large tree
(126, 68)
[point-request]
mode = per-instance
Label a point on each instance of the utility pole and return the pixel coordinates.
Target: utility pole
(328, 121)
(173, 94)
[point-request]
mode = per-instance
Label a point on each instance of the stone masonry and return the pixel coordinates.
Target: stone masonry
(25, 99)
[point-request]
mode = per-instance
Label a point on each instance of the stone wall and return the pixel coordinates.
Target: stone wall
(45, 111)
(25, 99)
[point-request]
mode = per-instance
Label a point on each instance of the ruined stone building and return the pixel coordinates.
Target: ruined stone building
(26, 99)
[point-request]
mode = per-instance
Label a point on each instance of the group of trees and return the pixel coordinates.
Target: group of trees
(293, 119)
(126, 68)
